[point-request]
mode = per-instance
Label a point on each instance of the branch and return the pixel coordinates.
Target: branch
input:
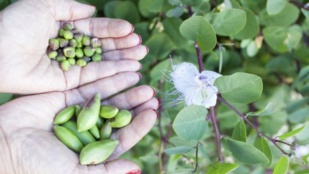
(196, 157)
(217, 134)
(300, 4)
(274, 141)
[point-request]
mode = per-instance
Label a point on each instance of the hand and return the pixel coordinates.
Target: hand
(27, 25)
(28, 145)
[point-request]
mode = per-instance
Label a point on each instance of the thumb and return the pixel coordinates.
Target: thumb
(120, 166)
(67, 10)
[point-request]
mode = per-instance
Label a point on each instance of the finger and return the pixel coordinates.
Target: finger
(117, 166)
(97, 70)
(150, 104)
(67, 10)
(132, 40)
(135, 53)
(106, 87)
(132, 98)
(134, 132)
(104, 27)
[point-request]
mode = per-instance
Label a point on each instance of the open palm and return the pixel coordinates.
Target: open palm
(28, 144)
(27, 25)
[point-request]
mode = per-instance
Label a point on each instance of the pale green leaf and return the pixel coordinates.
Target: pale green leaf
(240, 132)
(251, 28)
(282, 166)
(269, 109)
(291, 133)
(275, 6)
(221, 168)
(299, 116)
(261, 144)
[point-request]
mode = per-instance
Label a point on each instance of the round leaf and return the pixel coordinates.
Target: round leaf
(197, 28)
(190, 123)
(246, 153)
(251, 28)
(240, 87)
(229, 22)
(275, 6)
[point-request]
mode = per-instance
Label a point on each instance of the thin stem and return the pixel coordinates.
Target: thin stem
(217, 134)
(252, 125)
(300, 5)
(196, 157)
(279, 141)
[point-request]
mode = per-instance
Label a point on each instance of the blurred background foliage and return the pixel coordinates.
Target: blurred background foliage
(268, 38)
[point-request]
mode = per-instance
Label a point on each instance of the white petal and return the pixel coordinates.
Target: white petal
(211, 76)
(211, 100)
(183, 76)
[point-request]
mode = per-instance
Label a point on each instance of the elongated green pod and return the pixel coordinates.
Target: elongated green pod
(65, 115)
(85, 137)
(100, 123)
(68, 138)
(106, 131)
(122, 119)
(95, 132)
(97, 152)
(89, 115)
(108, 111)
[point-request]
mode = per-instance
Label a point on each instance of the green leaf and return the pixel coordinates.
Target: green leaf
(175, 12)
(110, 7)
(229, 22)
(231, 4)
(160, 69)
(290, 14)
(171, 28)
(240, 87)
(282, 166)
(160, 46)
(190, 122)
(251, 28)
(261, 144)
(149, 8)
(299, 116)
(178, 150)
(291, 133)
(174, 2)
(282, 39)
(221, 168)
(5, 97)
(240, 132)
(269, 109)
(197, 28)
(128, 11)
(246, 153)
(252, 49)
(275, 6)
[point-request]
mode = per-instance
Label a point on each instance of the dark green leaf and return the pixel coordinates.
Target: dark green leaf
(246, 153)
(149, 8)
(160, 46)
(171, 28)
(5, 97)
(190, 123)
(178, 150)
(240, 132)
(197, 28)
(128, 11)
(240, 87)
(229, 22)
(221, 168)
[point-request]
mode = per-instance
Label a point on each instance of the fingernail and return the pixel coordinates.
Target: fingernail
(154, 92)
(147, 50)
(159, 102)
(134, 172)
(140, 75)
(132, 28)
(156, 113)
(141, 67)
(140, 39)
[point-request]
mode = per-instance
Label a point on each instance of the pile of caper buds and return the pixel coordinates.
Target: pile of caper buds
(72, 47)
(88, 130)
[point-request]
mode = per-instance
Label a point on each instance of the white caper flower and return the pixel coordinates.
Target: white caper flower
(196, 88)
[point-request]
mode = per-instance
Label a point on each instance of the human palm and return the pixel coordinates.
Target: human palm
(27, 25)
(28, 144)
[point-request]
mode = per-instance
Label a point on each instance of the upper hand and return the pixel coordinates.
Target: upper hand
(27, 25)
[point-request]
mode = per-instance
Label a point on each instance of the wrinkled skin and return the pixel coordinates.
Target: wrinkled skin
(26, 27)
(27, 144)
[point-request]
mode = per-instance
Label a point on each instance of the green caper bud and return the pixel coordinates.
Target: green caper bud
(69, 52)
(122, 119)
(72, 61)
(95, 131)
(54, 44)
(60, 57)
(73, 43)
(96, 58)
(68, 26)
(78, 37)
(68, 138)
(79, 53)
(105, 131)
(52, 54)
(63, 42)
(99, 50)
(67, 34)
(81, 62)
(65, 115)
(60, 33)
(87, 59)
(86, 41)
(88, 51)
(65, 65)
